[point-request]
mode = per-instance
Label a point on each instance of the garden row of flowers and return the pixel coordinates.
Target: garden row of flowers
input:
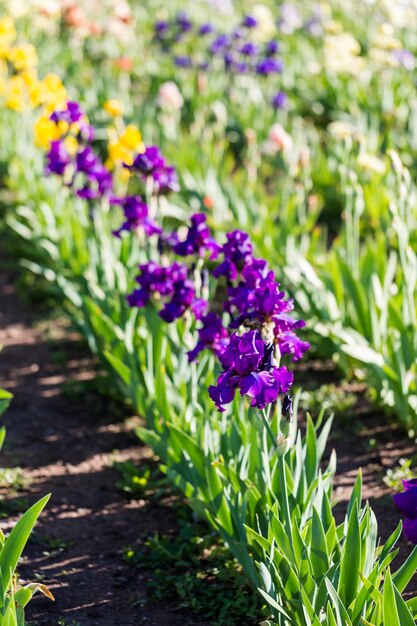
(168, 241)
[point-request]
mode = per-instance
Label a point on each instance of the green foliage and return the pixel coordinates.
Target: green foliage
(340, 574)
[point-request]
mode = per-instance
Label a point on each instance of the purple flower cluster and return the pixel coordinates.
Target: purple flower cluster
(82, 170)
(240, 54)
(237, 251)
(244, 318)
(248, 365)
(152, 164)
(98, 180)
(242, 315)
(71, 115)
(198, 240)
(57, 159)
(73, 158)
(406, 502)
(137, 217)
(169, 285)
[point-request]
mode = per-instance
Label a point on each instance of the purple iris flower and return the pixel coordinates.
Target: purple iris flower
(248, 368)
(156, 279)
(57, 158)
(289, 343)
(219, 44)
(74, 114)
(406, 502)
(152, 279)
(229, 60)
(152, 163)
(137, 216)
(161, 28)
(249, 21)
(171, 284)
(212, 335)
(165, 179)
(244, 352)
(86, 160)
(238, 34)
(279, 100)
(257, 298)
(224, 392)
(314, 27)
(148, 161)
(182, 298)
(198, 239)
(268, 66)
(99, 180)
(271, 48)
(182, 61)
(206, 29)
(184, 22)
(265, 387)
(237, 253)
(249, 49)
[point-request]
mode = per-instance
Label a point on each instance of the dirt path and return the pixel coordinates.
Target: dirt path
(67, 446)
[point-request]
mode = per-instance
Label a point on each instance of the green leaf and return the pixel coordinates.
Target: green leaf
(17, 539)
(311, 460)
(403, 575)
(351, 559)
(406, 619)
(318, 553)
(119, 367)
(5, 398)
(391, 616)
(23, 596)
(338, 605)
(356, 495)
(272, 602)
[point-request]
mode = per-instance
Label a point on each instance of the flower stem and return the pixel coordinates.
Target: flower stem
(282, 475)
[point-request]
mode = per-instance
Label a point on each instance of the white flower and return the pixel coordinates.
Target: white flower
(278, 140)
(291, 19)
(341, 53)
(371, 163)
(341, 130)
(170, 97)
(222, 6)
(265, 28)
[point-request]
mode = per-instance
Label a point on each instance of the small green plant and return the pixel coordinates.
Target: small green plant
(52, 545)
(144, 481)
(131, 479)
(395, 476)
(13, 478)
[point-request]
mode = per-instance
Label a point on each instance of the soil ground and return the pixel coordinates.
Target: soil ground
(67, 446)
(66, 443)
